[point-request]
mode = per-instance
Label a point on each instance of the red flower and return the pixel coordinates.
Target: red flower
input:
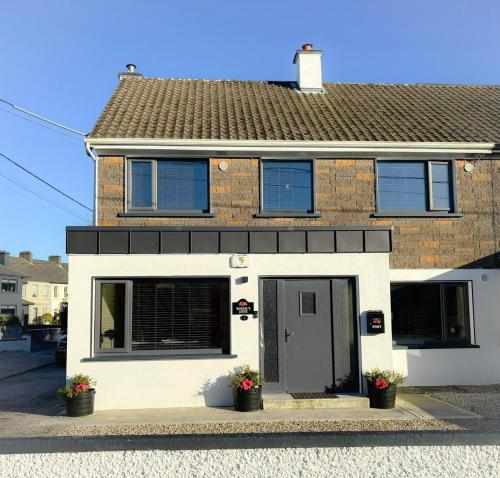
(380, 383)
(246, 384)
(80, 388)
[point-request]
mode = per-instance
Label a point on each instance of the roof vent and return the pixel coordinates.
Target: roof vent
(308, 61)
(131, 71)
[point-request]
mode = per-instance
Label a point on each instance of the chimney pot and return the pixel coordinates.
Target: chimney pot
(27, 256)
(4, 258)
(55, 259)
(307, 46)
(131, 67)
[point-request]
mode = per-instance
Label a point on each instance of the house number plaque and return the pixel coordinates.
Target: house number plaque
(242, 306)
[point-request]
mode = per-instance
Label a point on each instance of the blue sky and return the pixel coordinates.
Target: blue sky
(61, 59)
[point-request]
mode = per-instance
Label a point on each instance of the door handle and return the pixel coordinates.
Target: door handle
(288, 334)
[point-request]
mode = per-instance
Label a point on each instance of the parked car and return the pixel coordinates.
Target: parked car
(60, 354)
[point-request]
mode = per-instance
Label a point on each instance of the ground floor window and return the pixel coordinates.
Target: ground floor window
(8, 310)
(162, 316)
(428, 314)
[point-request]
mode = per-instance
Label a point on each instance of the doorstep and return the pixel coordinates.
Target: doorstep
(282, 401)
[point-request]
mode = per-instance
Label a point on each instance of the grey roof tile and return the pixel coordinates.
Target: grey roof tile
(40, 271)
(266, 110)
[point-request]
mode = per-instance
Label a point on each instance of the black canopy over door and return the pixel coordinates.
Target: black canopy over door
(309, 335)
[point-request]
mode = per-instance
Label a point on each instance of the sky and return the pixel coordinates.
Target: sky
(60, 59)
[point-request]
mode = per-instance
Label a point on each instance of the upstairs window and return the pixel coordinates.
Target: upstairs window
(9, 285)
(414, 186)
(169, 185)
(430, 314)
(287, 187)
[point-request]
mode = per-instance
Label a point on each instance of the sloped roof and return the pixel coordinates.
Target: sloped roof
(40, 271)
(7, 271)
(265, 110)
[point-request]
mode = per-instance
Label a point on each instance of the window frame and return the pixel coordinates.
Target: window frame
(467, 342)
(263, 212)
(11, 307)
(127, 350)
(430, 210)
(9, 281)
(127, 326)
(153, 210)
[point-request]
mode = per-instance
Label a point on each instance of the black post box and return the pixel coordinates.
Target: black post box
(375, 322)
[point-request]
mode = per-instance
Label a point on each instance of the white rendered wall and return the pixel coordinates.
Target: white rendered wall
(465, 366)
(168, 382)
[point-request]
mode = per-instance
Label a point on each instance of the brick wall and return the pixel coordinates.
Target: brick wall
(345, 196)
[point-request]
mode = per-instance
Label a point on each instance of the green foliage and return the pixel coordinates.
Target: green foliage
(390, 376)
(9, 320)
(47, 319)
(245, 373)
(72, 388)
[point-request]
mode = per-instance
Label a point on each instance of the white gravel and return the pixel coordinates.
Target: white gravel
(483, 400)
(12, 363)
(425, 461)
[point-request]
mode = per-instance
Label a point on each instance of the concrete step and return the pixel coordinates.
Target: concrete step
(285, 401)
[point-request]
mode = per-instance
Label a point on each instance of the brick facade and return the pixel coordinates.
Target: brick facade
(345, 196)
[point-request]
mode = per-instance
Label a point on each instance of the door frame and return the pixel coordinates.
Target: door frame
(280, 386)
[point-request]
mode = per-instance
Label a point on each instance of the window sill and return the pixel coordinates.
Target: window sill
(129, 358)
(434, 346)
(417, 214)
(287, 214)
(166, 214)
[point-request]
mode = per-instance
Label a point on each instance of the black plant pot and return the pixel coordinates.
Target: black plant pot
(247, 400)
(81, 404)
(382, 398)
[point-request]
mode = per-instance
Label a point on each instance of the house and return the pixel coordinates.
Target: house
(312, 230)
(11, 282)
(46, 285)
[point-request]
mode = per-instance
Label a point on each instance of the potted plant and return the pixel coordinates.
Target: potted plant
(247, 389)
(382, 385)
(79, 396)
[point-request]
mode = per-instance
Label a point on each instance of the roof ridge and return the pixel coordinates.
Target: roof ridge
(346, 83)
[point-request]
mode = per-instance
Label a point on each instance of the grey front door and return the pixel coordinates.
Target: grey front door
(308, 335)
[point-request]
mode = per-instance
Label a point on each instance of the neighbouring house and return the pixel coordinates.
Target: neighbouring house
(44, 289)
(311, 230)
(11, 286)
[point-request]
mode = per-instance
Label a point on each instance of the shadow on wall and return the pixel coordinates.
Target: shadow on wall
(217, 392)
(487, 262)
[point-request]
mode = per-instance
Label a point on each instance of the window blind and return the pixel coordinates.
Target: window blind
(182, 185)
(402, 186)
(141, 194)
(177, 314)
(287, 186)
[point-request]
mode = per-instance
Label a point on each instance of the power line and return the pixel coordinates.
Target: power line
(41, 196)
(45, 182)
(39, 124)
(42, 118)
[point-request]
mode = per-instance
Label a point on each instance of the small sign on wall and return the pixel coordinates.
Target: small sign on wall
(239, 261)
(375, 323)
(242, 306)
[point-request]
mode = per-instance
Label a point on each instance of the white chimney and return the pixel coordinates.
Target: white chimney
(308, 63)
